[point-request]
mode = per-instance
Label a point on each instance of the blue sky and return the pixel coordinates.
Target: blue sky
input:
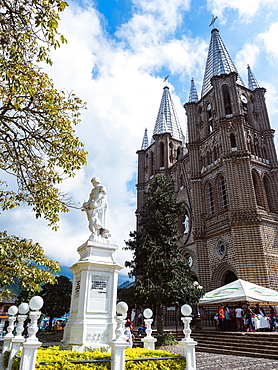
(118, 53)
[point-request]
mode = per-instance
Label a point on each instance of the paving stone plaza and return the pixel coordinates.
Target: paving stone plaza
(212, 361)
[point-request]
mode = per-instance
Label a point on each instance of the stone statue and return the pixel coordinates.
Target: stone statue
(97, 210)
(186, 224)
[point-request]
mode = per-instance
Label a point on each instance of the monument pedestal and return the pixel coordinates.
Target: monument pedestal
(93, 302)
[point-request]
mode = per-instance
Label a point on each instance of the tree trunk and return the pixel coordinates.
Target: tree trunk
(159, 320)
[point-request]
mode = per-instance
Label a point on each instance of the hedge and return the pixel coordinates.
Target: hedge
(55, 354)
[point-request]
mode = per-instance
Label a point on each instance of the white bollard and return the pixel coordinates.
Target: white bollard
(30, 347)
(119, 344)
(187, 343)
(149, 341)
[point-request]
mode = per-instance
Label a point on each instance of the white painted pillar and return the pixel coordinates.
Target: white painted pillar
(149, 341)
(187, 343)
(30, 347)
(119, 344)
(18, 340)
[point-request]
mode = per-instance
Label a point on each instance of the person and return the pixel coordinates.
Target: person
(272, 315)
(142, 329)
(249, 313)
(226, 318)
(239, 318)
(259, 310)
(221, 317)
(96, 209)
(128, 334)
(140, 319)
(232, 315)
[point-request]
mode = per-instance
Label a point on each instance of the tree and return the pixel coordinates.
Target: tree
(38, 146)
(24, 262)
(162, 274)
(56, 298)
(37, 140)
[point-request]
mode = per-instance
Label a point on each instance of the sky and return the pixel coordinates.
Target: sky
(117, 56)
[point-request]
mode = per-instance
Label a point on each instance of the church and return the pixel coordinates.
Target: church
(225, 171)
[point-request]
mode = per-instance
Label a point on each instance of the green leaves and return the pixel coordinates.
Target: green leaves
(162, 273)
(37, 140)
(24, 262)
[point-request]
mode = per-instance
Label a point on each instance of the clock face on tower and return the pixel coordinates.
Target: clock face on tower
(244, 99)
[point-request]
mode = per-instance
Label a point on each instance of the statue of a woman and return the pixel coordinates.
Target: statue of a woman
(97, 210)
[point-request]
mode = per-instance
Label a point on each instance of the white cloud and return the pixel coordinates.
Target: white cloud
(269, 39)
(246, 8)
(247, 55)
(123, 98)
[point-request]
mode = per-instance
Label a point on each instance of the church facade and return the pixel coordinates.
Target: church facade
(226, 172)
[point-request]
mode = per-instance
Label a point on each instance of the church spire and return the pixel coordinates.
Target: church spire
(252, 82)
(193, 96)
(145, 142)
(167, 119)
(218, 62)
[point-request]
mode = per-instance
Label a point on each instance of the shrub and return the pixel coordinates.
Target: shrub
(55, 354)
(6, 357)
(166, 340)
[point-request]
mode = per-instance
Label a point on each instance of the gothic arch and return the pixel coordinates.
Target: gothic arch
(223, 193)
(161, 152)
(226, 99)
(269, 193)
(233, 141)
(220, 273)
(258, 188)
(210, 203)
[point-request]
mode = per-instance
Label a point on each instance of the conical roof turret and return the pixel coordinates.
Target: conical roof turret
(252, 82)
(193, 96)
(218, 62)
(145, 142)
(167, 119)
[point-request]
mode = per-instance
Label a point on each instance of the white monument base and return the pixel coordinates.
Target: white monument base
(93, 302)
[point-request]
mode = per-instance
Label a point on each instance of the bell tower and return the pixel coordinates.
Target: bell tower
(233, 176)
(226, 173)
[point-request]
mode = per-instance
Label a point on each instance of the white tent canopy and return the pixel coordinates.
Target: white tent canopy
(239, 291)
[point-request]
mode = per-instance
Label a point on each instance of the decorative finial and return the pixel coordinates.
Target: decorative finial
(213, 21)
(165, 79)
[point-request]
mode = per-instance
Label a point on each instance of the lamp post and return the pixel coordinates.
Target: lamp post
(18, 340)
(12, 311)
(187, 343)
(30, 346)
(149, 340)
(119, 344)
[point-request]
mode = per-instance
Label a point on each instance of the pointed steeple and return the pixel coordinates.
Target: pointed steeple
(193, 96)
(252, 82)
(145, 142)
(218, 62)
(167, 119)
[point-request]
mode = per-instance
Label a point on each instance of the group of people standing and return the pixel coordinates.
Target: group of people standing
(235, 318)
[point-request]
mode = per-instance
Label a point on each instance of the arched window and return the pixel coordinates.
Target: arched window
(171, 156)
(227, 100)
(178, 153)
(269, 194)
(257, 188)
(161, 154)
(233, 141)
(244, 102)
(215, 153)
(230, 277)
(147, 163)
(223, 193)
(210, 199)
(152, 164)
(209, 114)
